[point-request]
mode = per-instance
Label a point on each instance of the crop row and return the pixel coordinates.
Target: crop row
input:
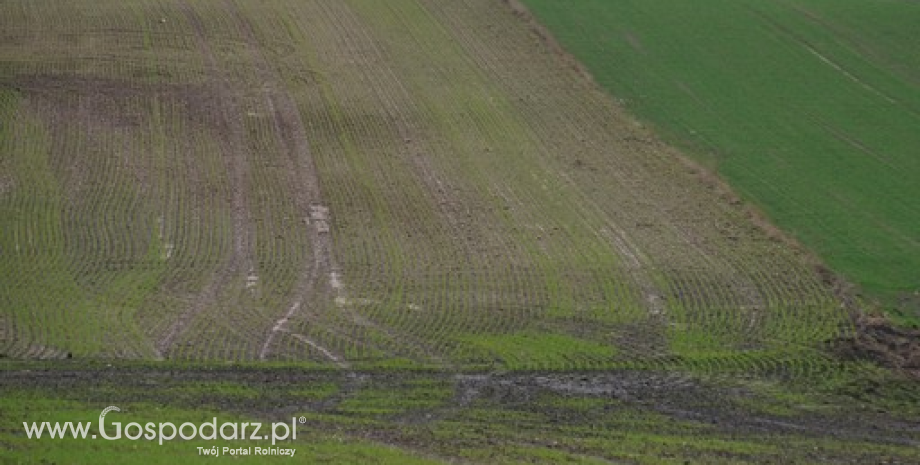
(373, 182)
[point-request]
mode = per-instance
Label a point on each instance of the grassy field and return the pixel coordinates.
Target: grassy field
(27, 405)
(415, 223)
(361, 184)
(391, 417)
(809, 108)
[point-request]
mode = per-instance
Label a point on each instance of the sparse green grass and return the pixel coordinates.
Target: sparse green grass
(535, 350)
(358, 200)
(316, 391)
(312, 446)
(505, 419)
(808, 108)
(177, 218)
(410, 398)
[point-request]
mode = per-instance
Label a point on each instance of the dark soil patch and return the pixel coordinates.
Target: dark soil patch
(878, 340)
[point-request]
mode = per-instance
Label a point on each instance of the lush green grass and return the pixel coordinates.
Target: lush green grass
(809, 108)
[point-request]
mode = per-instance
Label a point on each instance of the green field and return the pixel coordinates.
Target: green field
(439, 417)
(809, 108)
(365, 185)
(421, 227)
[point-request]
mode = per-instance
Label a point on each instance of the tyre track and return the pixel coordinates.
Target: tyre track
(384, 86)
(290, 135)
(232, 146)
(343, 38)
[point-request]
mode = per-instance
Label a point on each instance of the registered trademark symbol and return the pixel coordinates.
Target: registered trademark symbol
(303, 420)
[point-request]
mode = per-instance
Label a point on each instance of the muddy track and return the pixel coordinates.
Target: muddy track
(710, 404)
(401, 120)
(312, 286)
(232, 145)
(291, 136)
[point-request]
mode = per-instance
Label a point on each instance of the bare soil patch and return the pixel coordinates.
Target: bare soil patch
(878, 340)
